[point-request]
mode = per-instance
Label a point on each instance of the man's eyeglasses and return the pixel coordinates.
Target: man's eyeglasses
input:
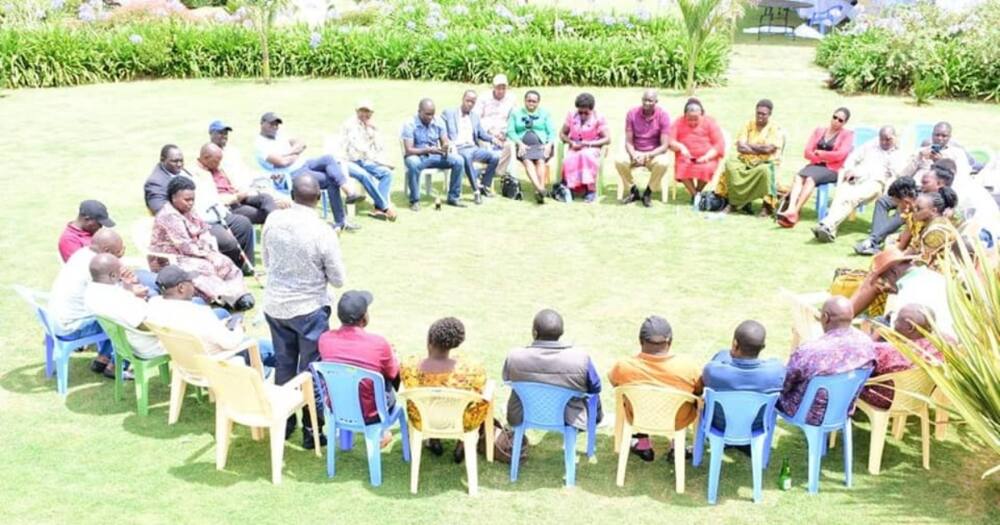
(838, 119)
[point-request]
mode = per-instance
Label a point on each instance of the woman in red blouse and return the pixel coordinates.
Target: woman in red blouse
(826, 151)
(698, 143)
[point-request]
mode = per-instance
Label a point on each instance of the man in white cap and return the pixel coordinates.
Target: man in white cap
(365, 154)
(493, 109)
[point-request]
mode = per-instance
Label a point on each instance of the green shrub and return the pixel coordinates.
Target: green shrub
(950, 54)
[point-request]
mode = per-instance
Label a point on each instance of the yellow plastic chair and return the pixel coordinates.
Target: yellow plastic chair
(911, 395)
(242, 396)
(654, 412)
(941, 404)
(184, 348)
(441, 417)
(805, 314)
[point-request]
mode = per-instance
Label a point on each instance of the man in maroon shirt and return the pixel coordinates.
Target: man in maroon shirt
(352, 345)
(93, 216)
(250, 203)
(646, 129)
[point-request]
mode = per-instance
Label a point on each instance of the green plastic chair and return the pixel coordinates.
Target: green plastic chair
(140, 367)
(557, 175)
(982, 156)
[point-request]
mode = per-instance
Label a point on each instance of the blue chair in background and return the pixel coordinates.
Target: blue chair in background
(923, 132)
(544, 408)
(862, 134)
(283, 183)
(338, 386)
(826, 20)
(57, 348)
(740, 410)
(841, 391)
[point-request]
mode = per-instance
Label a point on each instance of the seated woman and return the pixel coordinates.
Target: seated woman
(826, 151)
(698, 143)
(930, 233)
(530, 129)
(178, 231)
(586, 133)
(439, 369)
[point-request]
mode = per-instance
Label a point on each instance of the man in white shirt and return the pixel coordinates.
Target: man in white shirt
(493, 109)
(866, 175)
(366, 158)
(978, 209)
(106, 297)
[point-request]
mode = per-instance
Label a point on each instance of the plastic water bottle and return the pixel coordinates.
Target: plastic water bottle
(785, 476)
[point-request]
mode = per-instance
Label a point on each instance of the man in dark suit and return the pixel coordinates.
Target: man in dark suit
(465, 132)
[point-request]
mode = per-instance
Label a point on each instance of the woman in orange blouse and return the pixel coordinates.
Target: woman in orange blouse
(698, 144)
(439, 369)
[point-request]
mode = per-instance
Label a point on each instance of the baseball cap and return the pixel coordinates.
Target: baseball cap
(655, 329)
(365, 104)
(98, 211)
(500, 80)
(172, 276)
(353, 306)
(270, 117)
(218, 125)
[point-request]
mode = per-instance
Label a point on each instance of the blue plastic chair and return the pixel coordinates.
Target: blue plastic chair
(544, 408)
(841, 391)
(862, 134)
(740, 409)
(338, 386)
(58, 349)
(922, 132)
(284, 185)
(825, 20)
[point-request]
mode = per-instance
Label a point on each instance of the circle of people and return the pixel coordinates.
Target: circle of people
(201, 246)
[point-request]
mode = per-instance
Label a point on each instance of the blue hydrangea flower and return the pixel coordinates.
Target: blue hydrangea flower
(460, 9)
(409, 9)
(411, 25)
(440, 36)
(315, 39)
(559, 25)
(472, 47)
(57, 4)
(507, 29)
(135, 39)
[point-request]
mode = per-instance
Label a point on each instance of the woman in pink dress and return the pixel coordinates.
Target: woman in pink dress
(585, 133)
(698, 144)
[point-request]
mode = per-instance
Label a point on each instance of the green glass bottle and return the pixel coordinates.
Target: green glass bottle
(785, 476)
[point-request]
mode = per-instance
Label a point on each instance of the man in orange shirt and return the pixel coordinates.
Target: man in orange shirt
(654, 365)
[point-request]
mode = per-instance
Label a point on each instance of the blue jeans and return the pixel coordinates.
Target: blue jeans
(91, 327)
(415, 164)
(376, 179)
(326, 171)
(471, 155)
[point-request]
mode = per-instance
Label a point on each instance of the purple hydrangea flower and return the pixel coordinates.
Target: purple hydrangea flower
(440, 36)
(135, 39)
(315, 39)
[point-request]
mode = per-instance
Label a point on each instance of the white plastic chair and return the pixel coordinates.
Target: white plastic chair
(805, 314)
(141, 233)
(426, 174)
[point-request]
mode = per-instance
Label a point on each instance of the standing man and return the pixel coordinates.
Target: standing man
(302, 256)
(493, 109)
(282, 158)
(366, 155)
(79, 233)
(248, 202)
(465, 132)
(425, 145)
(646, 144)
(747, 176)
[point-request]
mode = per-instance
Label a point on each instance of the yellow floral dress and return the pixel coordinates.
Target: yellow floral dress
(465, 376)
(932, 242)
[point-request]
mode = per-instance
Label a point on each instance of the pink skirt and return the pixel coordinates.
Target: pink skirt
(580, 167)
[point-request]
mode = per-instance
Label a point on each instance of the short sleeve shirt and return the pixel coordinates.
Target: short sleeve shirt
(71, 240)
(351, 345)
(424, 136)
(264, 147)
(646, 132)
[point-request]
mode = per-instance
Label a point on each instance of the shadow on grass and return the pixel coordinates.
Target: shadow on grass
(30, 379)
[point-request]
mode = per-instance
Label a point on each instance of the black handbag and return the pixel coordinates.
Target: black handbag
(711, 201)
(510, 187)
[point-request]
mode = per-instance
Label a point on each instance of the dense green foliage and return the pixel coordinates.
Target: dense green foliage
(895, 52)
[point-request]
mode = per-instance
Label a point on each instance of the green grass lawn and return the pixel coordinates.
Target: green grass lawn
(605, 267)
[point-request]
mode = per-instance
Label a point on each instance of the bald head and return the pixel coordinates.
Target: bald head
(305, 190)
(910, 318)
(105, 269)
(649, 100)
(425, 111)
(210, 156)
(548, 325)
(837, 313)
(107, 240)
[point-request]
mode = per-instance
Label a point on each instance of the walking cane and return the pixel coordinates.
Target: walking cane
(243, 256)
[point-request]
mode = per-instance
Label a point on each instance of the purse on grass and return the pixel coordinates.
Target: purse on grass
(503, 443)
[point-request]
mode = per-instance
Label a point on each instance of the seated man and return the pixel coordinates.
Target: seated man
(234, 165)
(365, 154)
(248, 202)
(233, 233)
(550, 361)
(740, 369)
(747, 176)
(911, 319)
(466, 133)
(281, 157)
(493, 108)
(655, 365)
(867, 174)
(79, 233)
(647, 129)
(976, 206)
(107, 297)
(425, 145)
(352, 345)
(840, 349)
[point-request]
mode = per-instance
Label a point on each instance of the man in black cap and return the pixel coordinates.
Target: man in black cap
(352, 345)
(282, 158)
(93, 215)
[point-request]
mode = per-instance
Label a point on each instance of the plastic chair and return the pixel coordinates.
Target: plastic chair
(911, 394)
(805, 314)
(141, 232)
(183, 348)
(654, 412)
(825, 20)
(142, 368)
(544, 408)
(427, 174)
(283, 184)
(923, 132)
(740, 409)
(242, 396)
(441, 416)
(57, 348)
(338, 386)
(719, 170)
(842, 390)
(982, 156)
(862, 135)
(599, 183)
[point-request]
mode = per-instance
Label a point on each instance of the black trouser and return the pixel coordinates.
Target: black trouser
(296, 345)
(882, 224)
(255, 208)
(238, 236)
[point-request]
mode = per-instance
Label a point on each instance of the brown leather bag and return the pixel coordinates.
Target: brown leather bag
(503, 443)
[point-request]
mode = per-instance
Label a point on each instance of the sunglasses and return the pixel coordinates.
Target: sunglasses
(838, 119)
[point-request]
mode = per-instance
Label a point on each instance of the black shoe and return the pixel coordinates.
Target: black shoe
(98, 367)
(647, 198)
(244, 303)
(459, 454)
(646, 455)
(455, 203)
(747, 209)
(247, 270)
(434, 445)
(354, 197)
(414, 206)
(488, 193)
(540, 197)
(742, 448)
(477, 198)
(633, 195)
(688, 454)
(308, 442)
(290, 424)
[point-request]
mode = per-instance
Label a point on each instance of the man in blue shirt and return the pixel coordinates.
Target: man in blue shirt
(741, 369)
(425, 145)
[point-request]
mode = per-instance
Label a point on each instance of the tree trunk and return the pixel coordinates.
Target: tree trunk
(265, 64)
(692, 60)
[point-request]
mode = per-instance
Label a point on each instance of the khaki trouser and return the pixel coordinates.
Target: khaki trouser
(847, 198)
(658, 166)
(506, 152)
